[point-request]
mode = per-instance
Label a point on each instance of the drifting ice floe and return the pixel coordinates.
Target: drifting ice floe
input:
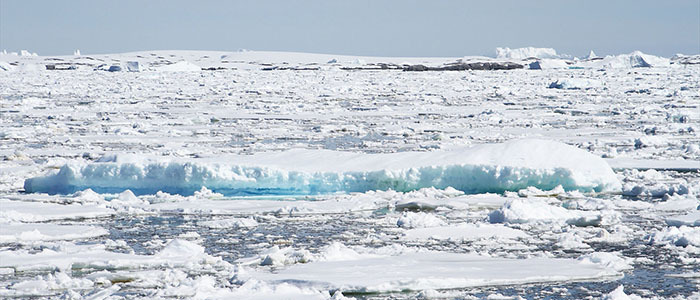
(431, 270)
(12, 233)
(484, 168)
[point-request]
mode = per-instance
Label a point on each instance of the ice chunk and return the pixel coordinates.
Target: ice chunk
(689, 219)
(14, 233)
(38, 211)
(463, 232)
(636, 59)
(419, 220)
(68, 256)
(619, 294)
(432, 270)
(591, 55)
(484, 168)
(133, 66)
(537, 210)
(680, 236)
(229, 223)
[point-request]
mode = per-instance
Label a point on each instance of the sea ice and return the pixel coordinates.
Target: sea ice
(432, 270)
(533, 210)
(16, 233)
(484, 168)
(460, 232)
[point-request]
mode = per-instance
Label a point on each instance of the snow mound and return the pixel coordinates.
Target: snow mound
(509, 166)
(527, 52)
(181, 66)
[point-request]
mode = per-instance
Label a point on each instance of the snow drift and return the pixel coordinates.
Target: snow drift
(484, 168)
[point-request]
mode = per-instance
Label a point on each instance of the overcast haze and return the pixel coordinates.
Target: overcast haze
(374, 28)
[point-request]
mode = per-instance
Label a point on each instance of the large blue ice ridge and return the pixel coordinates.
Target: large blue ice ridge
(478, 169)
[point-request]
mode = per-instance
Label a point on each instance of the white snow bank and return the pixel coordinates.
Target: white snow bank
(431, 270)
(14, 233)
(527, 52)
(181, 66)
(484, 168)
(21, 211)
(463, 232)
(531, 210)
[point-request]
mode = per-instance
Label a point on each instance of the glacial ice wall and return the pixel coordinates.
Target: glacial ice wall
(485, 168)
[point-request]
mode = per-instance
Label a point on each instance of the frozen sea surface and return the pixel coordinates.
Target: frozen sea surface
(299, 176)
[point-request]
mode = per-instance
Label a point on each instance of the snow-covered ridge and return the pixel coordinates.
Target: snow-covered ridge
(484, 168)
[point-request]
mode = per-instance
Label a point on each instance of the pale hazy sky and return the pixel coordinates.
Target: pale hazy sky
(372, 27)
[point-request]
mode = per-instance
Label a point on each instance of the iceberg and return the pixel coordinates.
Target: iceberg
(509, 166)
(527, 52)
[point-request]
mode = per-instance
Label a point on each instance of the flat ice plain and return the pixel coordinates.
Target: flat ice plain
(270, 175)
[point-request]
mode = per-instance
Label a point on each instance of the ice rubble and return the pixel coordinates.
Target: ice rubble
(512, 165)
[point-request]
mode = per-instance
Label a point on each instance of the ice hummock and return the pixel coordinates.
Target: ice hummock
(509, 166)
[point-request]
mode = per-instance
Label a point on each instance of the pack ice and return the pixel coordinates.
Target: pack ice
(502, 167)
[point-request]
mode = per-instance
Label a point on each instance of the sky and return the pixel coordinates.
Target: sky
(373, 27)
